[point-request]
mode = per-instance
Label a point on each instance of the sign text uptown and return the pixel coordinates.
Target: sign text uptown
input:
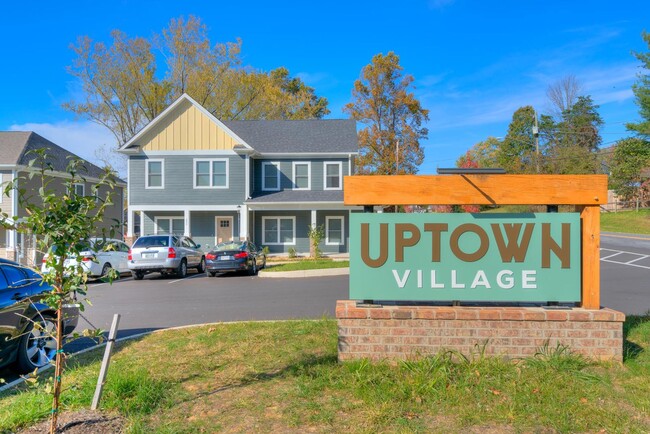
(467, 257)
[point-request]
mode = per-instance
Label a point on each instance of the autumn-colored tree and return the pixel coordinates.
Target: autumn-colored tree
(382, 99)
(468, 162)
(484, 154)
(123, 89)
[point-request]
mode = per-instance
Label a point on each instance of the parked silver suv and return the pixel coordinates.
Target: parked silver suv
(165, 254)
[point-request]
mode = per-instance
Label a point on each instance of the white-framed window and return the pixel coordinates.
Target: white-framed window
(169, 225)
(332, 175)
(271, 176)
(79, 189)
(154, 173)
(334, 230)
(211, 173)
(279, 231)
(302, 175)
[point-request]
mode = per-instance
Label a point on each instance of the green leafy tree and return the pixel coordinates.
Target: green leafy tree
(382, 99)
(61, 221)
(572, 142)
(316, 235)
(631, 156)
(516, 154)
(127, 84)
(641, 91)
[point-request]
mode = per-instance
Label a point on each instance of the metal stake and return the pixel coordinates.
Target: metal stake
(105, 362)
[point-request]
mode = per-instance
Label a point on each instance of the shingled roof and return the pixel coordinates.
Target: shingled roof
(16, 145)
(316, 135)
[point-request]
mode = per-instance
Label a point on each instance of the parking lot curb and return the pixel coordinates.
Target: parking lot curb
(306, 273)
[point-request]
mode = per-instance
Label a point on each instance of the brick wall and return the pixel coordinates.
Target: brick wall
(405, 332)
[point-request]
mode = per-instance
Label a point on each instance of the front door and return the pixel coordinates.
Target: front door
(223, 229)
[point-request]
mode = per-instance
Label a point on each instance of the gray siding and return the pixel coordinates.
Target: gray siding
(179, 183)
(286, 169)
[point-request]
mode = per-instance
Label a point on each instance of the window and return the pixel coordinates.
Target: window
(279, 230)
(302, 176)
(270, 176)
(212, 173)
(169, 225)
(333, 179)
(79, 190)
(334, 231)
(16, 277)
(154, 174)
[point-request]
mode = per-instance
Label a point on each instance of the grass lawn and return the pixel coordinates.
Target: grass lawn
(626, 221)
(284, 377)
(308, 264)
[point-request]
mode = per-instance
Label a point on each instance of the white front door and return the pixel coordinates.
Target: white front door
(223, 229)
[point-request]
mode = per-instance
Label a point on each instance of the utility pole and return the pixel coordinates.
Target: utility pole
(536, 136)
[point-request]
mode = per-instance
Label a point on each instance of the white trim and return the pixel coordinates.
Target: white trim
(171, 107)
(247, 174)
(293, 172)
(211, 173)
(305, 154)
(302, 206)
(171, 226)
(277, 166)
(187, 221)
(327, 230)
(216, 227)
(162, 173)
(243, 223)
(332, 163)
(195, 152)
(278, 218)
(162, 208)
(130, 222)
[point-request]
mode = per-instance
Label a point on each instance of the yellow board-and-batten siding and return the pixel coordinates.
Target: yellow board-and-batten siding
(186, 128)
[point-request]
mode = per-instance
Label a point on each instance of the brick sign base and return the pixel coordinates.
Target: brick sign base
(408, 332)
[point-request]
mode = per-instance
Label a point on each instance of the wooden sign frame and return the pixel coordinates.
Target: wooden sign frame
(586, 192)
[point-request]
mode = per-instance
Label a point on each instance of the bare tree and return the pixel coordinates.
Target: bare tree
(563, 94)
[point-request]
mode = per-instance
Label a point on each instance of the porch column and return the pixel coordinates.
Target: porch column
(243, 222)
(187, 223)
(130, 221)
(313, 218)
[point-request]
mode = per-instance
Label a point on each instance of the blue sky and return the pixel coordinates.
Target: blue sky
(474, 62)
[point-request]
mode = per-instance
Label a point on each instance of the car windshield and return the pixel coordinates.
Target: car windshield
(155, 241)
(229, 246)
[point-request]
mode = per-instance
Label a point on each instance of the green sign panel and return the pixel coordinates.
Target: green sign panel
(465, 257)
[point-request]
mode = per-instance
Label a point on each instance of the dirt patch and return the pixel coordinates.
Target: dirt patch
(82, 422)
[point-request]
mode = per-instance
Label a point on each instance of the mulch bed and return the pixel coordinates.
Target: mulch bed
(82, 422)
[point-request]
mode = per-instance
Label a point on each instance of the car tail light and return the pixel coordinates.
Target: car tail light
(241, 255)
(210, 256)
(88, 258)
(130, 257)
(45, 258)
(171, 253)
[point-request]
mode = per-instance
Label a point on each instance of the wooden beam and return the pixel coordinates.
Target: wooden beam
(590, 218)
(476, 190)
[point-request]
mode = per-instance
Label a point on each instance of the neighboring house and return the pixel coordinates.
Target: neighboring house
(14, 161)
(266, 181)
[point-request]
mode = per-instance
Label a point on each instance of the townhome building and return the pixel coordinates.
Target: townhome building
(15, 155)
(267, 181)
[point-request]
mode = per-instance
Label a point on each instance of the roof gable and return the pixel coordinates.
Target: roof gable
(184, 126)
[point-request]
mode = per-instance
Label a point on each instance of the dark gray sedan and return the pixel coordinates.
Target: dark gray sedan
(235, 256)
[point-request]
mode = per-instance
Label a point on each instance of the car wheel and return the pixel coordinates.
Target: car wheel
(201, 267)
(37, 347)
(252, 271)
(182, 269)
(137, 275)
(105, 270)
(212, 273)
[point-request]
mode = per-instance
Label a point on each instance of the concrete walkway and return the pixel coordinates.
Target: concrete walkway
(306, 273)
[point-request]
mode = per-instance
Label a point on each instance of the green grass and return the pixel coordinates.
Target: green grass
(626, 221)
(308, 264)
(284, 377)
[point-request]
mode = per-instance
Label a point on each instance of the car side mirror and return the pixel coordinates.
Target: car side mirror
(198, 246)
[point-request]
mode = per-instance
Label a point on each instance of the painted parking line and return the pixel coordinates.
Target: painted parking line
(631, 262)
(121, 280)
(187, 278)
(623, 263)
(611, 256)
(637, 259)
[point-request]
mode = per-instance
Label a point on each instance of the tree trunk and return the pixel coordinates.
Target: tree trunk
(58, 368)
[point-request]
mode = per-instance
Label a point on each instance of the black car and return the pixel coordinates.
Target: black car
(21, 307)
(235, 256)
